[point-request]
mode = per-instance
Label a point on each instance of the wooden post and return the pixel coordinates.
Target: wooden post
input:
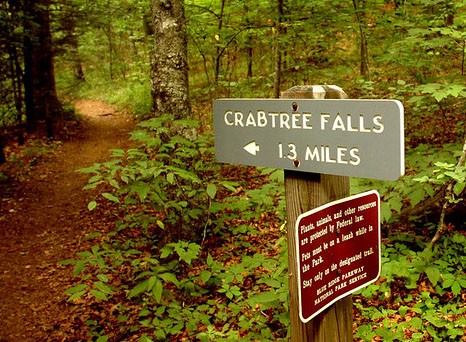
(305, 191)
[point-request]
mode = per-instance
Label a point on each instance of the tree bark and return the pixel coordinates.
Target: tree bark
(11, 67)
(43, 109)
(359, 8)
(278, 52)
(220, 50)
(169, 74)
(303, 192)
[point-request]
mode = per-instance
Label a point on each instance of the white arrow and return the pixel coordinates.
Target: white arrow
(252, 148)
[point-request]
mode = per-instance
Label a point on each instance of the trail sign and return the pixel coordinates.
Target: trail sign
(338, 251)
(361, 138)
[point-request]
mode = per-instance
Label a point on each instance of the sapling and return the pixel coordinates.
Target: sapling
(451, 194)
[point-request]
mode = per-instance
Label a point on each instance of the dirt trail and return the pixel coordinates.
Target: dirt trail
(43, 222)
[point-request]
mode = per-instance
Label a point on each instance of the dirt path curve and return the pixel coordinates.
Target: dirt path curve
(43, 222)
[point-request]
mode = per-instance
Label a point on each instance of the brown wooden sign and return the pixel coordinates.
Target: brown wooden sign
(338, 251)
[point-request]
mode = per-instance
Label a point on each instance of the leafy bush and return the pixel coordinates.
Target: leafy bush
(419, 294)
(428, 168)
(211, 283)
(170, 180)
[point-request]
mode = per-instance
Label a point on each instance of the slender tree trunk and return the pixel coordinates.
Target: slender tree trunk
(76, 59)
(220, 50)
(447, 201)
(2, 153)
(68, 15)
(13, 49)
(250, 58)
(249, 42)
(278, 52)
(360, 10)
(43, 108)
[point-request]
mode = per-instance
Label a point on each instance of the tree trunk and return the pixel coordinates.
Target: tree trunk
(278, 52)
(69, 16)
(43, 108)
(359, 8)
(11, 67)
(249, 42)
(2, 153)
(220, 50)
(169, 61)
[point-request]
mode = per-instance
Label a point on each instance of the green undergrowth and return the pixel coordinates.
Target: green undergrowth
(428, 169)
(222, 279)
(199, 249)
(420, 294)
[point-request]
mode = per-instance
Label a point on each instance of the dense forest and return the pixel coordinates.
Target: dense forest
(199, 249)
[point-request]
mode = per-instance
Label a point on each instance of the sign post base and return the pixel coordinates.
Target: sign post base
(306, 191)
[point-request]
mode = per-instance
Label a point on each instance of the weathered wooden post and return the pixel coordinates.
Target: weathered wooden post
(306, 191)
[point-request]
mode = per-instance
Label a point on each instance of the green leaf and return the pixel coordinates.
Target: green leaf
(210, 260)
(403, 310)
(138, 289)
(151, 282)
(166, 251)
(114, 183)
(436, 321)
(111, 197)
(171, 178)
(211, 190)
(448, 282)
(187, 251)
(264, 297)
(204, 276)
(79, 267)
(456, 288)
(91, 205)
(229, 186)
(157, 290)
(433, 274)
(144, 338)
(170, 277)
(416, 323)
(76, 295)
(91, 169)
(103, 287)
(99, 294)
(458, 188)
(102, 277)
(76, 289)
(416, 196)
(141, 189)
(95, 179)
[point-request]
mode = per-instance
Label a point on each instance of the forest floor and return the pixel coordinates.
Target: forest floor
(44, 219)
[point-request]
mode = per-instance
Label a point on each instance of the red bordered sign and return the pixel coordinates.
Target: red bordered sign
(338, 250)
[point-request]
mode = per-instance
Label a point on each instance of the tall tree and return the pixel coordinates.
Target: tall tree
(169, 74)
(11, 88)
(279, 31)
(360, 10)
(66, 31)
(43, 108)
